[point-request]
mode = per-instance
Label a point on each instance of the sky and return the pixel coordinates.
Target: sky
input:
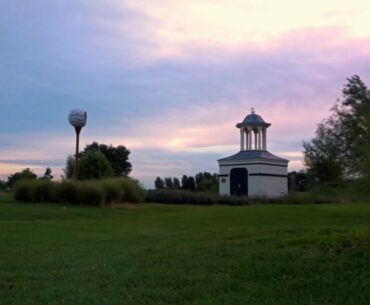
(170, 79)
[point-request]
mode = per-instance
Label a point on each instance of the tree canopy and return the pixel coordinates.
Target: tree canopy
(117, 156)
(94, 165)
(24, 174)
(340, 148)
(203, 182)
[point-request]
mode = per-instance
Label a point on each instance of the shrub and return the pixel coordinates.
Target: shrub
(133, 192)
(41, 191)
(65, 192)
(90, 193)
(21, 191)
(113, 190)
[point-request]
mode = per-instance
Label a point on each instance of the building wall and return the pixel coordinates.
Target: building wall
(263, 179)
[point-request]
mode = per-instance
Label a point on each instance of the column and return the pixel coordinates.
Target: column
(264, 138)
(246, 138)
(255, 139)
(259, 138)
(241, 139)
(250, 138)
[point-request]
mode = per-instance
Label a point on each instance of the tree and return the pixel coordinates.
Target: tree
(353, 119)
(117, 156)
(298, 181)
(47, 175)
(168, 182)
(206, 182)
(70, 168)
(323, 157)
(94, 165)
(24, 174)
(2, 184)
(159, 183)
(191, 183)
(340, 149)
(184, 182)
(176, 183)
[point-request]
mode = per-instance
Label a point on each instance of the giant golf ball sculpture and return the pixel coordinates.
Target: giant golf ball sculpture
(77, 118)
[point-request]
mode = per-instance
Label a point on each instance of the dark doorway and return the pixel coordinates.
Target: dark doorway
(239, 182)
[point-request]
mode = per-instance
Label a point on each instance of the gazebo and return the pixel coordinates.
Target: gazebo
(253, 171)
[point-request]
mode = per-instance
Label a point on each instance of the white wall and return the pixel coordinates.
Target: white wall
(257, 185)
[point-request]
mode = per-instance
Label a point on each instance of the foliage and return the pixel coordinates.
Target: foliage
(176, 183)
(298, 181)
(206, 182)
(94, 165)
(48, 174)
(168, 182)
(21, 191)
(41, 191)
(90, 192)
(133, 191)
(340, 149)
(70, 168)
(188, 183)
(23, 175)
(203, 182)
(66, 192)
(114, 192)
(2, 185)
(353, 116)
(323, 157)
(117, 157)
(159, 183)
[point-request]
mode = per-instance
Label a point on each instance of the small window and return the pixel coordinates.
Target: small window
(223, 180)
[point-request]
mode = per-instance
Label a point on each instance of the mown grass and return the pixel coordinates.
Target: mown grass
(163, 254)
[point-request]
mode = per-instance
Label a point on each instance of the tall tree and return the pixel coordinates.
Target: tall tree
(176, 183)
(70, 168)
(159, 183)
(168, 182)
(353, 119)
(323, 157)
(117, 156)
(341, 145)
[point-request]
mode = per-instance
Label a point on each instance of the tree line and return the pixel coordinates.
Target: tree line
(201, 182)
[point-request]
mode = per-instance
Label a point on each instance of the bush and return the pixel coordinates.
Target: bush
(21, 191)
(66, 192)
(133, 191)
(113, 190)
(90, 193)
(41, 191)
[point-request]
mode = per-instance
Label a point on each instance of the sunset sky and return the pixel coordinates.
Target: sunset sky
(170, 79)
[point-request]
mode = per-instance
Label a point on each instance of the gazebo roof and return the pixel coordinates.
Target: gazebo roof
(253, 154)
(253, 119)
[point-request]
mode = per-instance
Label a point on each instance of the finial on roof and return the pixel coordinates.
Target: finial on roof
(252, 110)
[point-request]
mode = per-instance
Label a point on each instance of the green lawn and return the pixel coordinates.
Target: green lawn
(157, 254)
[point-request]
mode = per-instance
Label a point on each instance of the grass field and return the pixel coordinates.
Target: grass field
(161, 254)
